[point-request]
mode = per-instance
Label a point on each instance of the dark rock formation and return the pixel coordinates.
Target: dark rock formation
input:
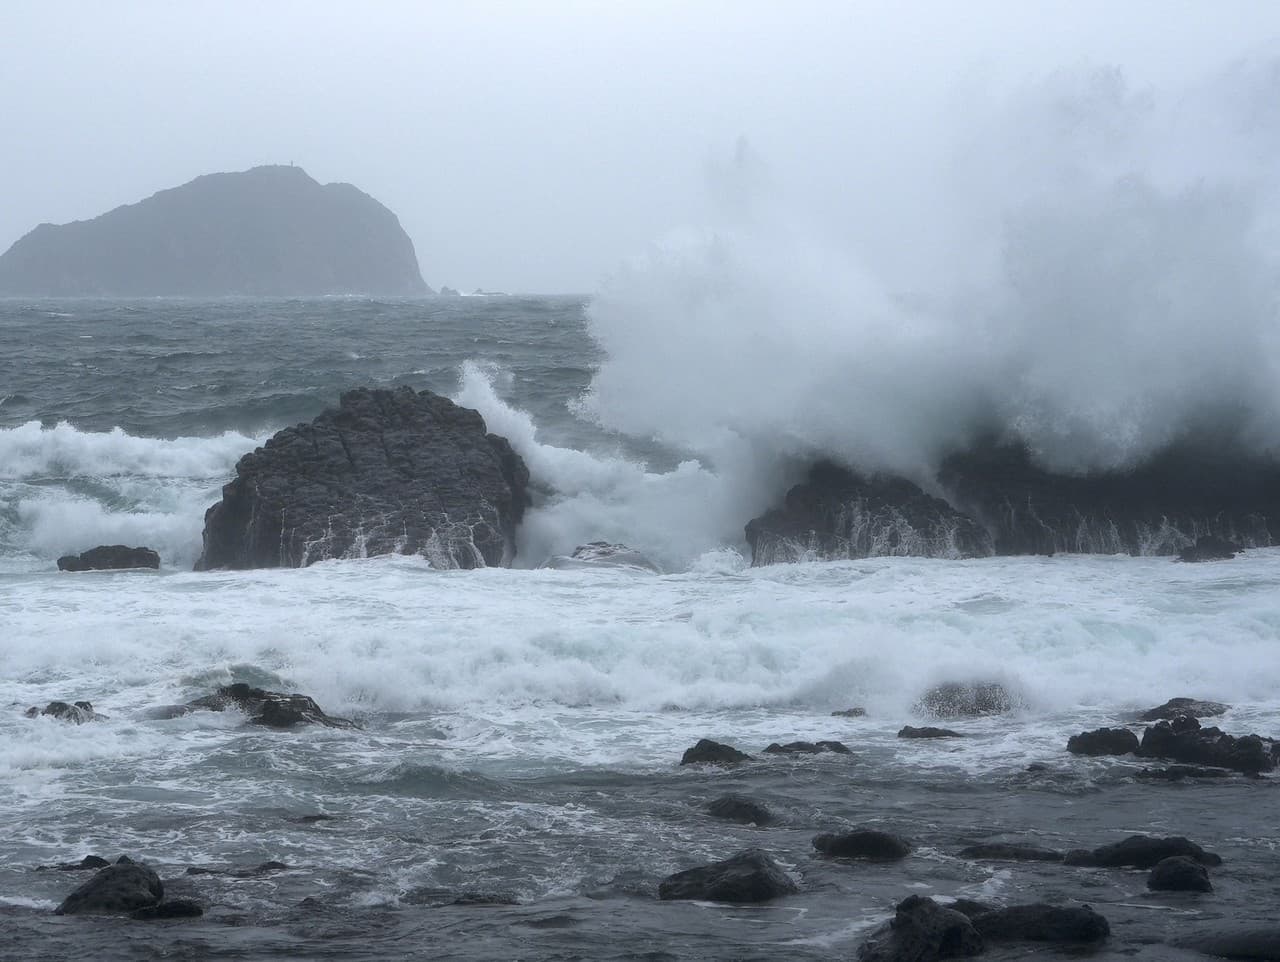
(77, 714)
(1005, 851)
(849, 713)
(1260, 944)
(386, 472)
(910, 731)
(960, 700)
(863, 843)
(1210, 548)
(1190, 707)
(88, 862)
(1179, 873)
(838, 514)
(256, 871)
(808, 748)
(269, 231)
(1141, 851)
(922, 931)
(707, 752)
(1183, 740)
(971, 907)
(1177, 773)
(172, 909)
(601, 554)
(1103, 741)
(116, 889)
(107, 557)
(750, 876)
(272, 709)
(740, 808)
(1042, 923)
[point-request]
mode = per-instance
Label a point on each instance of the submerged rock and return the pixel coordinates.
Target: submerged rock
(1005, 851)
(1043, 923)
(172, 909)
(921, 931)
(88, 862)
(1183, 740)
(386, 472)
(740, 808)
(1179, 873)
(116, 889)
(1260, 944)
(1191, 707)
(808, 748)
(965, 700)
(77, 714)
(602, 554)
(850, 713)
(108, 557)
(910, 731)
(1210, 548)
(749, 876)
(1141, 851)
(1176, 773)
(707, 752)
(272, 709)
(863, 843)
(1103, 741)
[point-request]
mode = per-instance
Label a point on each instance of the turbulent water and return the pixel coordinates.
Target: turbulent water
(514, 791)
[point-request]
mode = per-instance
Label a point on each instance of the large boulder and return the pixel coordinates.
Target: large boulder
(1191, 707)
(921, 931)
(1182, 739)
(741, 808)
(749, 876)
(1043, 923)
(1141, 851)
(864, 843)
(708, 752)
(1104, 741)
(386, 472)
(1261, 944)
(108, 557)
(954, 699)
(116, 889)
(1179, 873)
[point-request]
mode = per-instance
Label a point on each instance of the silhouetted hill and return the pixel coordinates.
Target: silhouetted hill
(266, 231)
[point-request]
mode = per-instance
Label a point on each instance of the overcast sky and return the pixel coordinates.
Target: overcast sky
(530, 146)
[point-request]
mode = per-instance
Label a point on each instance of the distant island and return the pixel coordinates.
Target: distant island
(268, 231)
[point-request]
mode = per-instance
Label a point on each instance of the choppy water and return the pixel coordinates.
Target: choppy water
(513, 792)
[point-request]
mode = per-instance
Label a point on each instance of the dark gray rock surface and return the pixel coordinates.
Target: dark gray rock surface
(271, 709)
(741, 808)
(1182, 739)
(922, 931)
(808, 748)
(1191, 707)
(954, 699)
(1210, 548)
(77, 713)
(110, 557)
(116, 889)
(910, 731)
(1141, 851)
(1043, 923)
(749, 876)
(707, 752)
(1005, 851)
(864, 843)
(1179, 873)
(386, 472)
(1103, 741)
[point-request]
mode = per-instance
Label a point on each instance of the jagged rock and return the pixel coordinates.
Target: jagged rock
(1190, 707)
(749, 876)
(1005, 851)
(808, 748)
(601, 554)
(863, 843)
(1176, 773)
(1103, 741)
(910, 731)
(272, 709)
(1210, 548)
(707, 752)
(849, 713)
(1179, 873)
(173, 909)
(77, 714)
(386, 472)
(958, 700)
(109, 557)
(1183, 740)
(837, 514)
(1261, 944)
(1042, 923)
(1141, 851)
(740, 808)
(116, 889)
(922, 931)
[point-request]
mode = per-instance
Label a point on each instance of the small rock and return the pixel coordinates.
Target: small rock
(271, 709)
(863, 843)
(77, 714)
(173, 909)
(1176, 773)
(1103, 741)
(1141, 851)
(740, 808)
(707, 752)
(1043, 923)
(956, 700)
(1179, 873)
(110, 557)
(749, 876)
(88, 862)
(1210, 548)
(116, 889)
(910, 731)
(850, 713)
(808, 748)
(1190, 707)
(922, 930)
(1005, 851)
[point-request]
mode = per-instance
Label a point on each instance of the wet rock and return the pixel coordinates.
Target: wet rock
(602, 554)
(257, 871)
(740, 808)
(1043, 923)
(386, 472)
(1210, 548)
(88, 862)
(1141, 851)
(1103, 741)
(431, 895)
(849, 713)
(749, 876)
(970, 907)
(272, 709)
(110, 557)
(921, 931)
(1181, 739)
(958, 700)
(1261, 944)
(707, 752)
(1190, 707)
(172, 909)
(116, 889)
(1177, 773)
(909, 731)
(863, 843)
(808, 748)
(1006, 851)
(77, 713)
(1178, 873)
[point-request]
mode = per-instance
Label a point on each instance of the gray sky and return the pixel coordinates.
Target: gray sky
(533, 146)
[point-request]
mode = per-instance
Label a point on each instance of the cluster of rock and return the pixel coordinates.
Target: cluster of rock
(124, 888)
(270, 709)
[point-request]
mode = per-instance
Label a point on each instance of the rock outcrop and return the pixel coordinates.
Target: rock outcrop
(77, 713)
(875, 846)
(1210, 548)
(965, 700)
(750, 876)
(1179, 873)
(109, 557)
(808, 748)
(1043, 923)
(1141, 851)
(922, 930)
(1182, 739)
(116, 889)
(1191, 707)
(386, 472)
(708, 752)
(928, 731)
(269, 231)
(742, 809)
(271, 709)
(1103, 741)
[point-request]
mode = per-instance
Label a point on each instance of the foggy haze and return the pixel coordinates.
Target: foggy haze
(536, 146)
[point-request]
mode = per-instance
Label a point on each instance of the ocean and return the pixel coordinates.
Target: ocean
(514, 790)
